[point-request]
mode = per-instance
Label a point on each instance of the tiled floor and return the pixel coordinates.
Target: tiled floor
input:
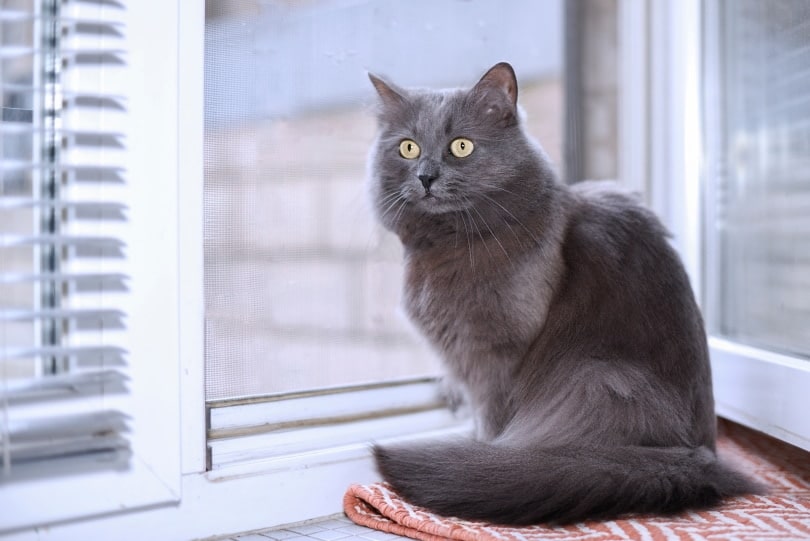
(337, 527)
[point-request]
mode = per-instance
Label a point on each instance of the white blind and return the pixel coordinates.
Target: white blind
(61, 263)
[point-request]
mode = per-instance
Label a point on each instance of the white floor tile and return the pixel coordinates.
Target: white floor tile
(330, 529)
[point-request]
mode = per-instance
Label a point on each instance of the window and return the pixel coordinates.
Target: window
(757, 207)
(301, 284)
(694, 109)
(81, 347)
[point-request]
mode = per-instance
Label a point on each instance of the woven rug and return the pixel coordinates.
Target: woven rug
(782, 514)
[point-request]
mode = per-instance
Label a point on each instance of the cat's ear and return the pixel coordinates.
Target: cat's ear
(390, 95)
(498, 90)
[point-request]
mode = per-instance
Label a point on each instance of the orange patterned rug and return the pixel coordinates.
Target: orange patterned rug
(782, 514)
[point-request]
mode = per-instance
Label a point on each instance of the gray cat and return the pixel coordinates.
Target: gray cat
(562, 312)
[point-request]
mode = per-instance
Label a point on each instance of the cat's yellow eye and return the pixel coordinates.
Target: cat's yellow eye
(461, 147)
(409, 149)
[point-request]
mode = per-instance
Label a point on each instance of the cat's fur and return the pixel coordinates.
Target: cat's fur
(563, 313)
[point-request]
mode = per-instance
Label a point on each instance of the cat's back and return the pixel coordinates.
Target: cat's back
(622, 271)
(628, 296)
(618, 257)
(609, 225)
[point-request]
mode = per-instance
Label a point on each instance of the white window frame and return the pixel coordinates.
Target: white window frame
(661, 117)
(151, 339)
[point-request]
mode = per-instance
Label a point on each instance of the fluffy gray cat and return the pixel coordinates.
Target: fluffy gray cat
(562, 312)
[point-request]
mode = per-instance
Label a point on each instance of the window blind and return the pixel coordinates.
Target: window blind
(61, 263)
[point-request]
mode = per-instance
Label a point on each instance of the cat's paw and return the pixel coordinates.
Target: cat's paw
(452, 395)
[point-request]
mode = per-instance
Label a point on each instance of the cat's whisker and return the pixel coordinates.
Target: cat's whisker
(521, 224)
(455, 239)
(400, 212)
(475, 225)
(469, 242)
(478, 230)
(491, 232)
(392, 204)
(390, 200)
(518, 238)
(496, 187)
(394, 197)
(391, 195)
(388, 204)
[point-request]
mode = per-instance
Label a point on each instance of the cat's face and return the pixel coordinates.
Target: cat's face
(446, 151)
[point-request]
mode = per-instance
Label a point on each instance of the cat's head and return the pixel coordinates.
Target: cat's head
(445, 151)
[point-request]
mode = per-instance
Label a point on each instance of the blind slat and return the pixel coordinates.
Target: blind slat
(77, 56)
(52, 437)
(76, 278)
(24, 202)
(22, 452)
(62, 384)
(86, 137)
(18, 165)
(75, 314)
(71, 99)
(75, 352)
(61, 240)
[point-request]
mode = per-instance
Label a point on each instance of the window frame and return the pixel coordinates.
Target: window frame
(754, 386)
(151, 338)
(668, 83)
(758, 388)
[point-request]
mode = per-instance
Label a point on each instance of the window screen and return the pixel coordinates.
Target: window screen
(301, 286)
(758, 135)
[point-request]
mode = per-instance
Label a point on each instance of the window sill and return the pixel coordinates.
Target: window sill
(763, 390)
(250, 496)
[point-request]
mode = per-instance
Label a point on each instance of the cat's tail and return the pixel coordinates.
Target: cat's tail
(507, 485)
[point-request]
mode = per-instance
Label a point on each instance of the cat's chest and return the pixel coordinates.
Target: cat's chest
(463, 309)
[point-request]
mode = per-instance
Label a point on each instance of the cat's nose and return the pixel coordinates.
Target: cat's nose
(427, 179)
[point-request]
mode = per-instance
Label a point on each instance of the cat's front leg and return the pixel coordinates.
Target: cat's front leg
(453, 395)
(492, 411)
(456, 397)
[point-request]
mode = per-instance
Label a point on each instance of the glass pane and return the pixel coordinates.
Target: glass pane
(302, 286)
(17, 78)
(759, 175)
